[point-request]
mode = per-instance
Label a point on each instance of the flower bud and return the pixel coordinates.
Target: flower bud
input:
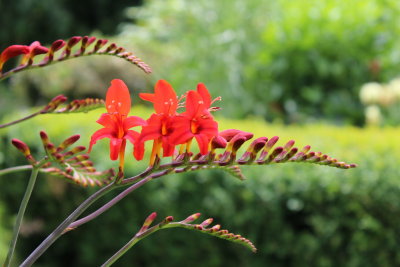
(191, 218)
(21, 146)
(149, 220)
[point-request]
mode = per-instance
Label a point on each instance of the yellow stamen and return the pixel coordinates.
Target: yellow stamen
(122, 155)
(164, 129)
(193, 126)
(188, 143)
(182, 148)
(156, 150)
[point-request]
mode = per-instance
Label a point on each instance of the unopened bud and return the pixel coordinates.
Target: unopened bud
(191, 218)
(229, 134)
(149, 220)
(54, 103)
(67, 142)
(57, 45)
(218, 142)
(44, 137)
(207, 222)
(21, 146)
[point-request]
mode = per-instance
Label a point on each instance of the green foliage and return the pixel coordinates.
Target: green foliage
(277, 59)
(24, 21)
(295, 214)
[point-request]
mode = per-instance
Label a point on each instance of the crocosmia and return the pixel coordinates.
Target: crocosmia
(196, 122)
(160, 124)
(116, 122)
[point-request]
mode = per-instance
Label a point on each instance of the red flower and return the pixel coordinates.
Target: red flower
(12, 51)
(159, 125)
(116, 123)
(196, 122)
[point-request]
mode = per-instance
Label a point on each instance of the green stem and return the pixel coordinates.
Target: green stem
(64, 225)
(20, 120)
(15, 169)
(21, 212)
(137, 238)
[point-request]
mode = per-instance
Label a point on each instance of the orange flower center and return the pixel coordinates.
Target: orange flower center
(194, 126)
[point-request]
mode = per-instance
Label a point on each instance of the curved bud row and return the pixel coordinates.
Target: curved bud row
(68, 164)
(75, 106)
(76, 43)
(215, 231)
(203, 227)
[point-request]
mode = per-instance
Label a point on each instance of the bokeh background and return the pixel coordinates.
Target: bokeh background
(324, 73)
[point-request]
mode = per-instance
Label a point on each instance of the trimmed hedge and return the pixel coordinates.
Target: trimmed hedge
(296, 214)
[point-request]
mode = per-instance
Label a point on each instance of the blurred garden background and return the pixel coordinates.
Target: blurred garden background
(324, 73)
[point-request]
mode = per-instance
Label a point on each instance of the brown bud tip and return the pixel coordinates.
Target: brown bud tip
(70, 140)
(229, 134)
(91, 40)
(218, 142)
(237, 141)
(207, 222)
(289, 145)
(149, 220)
(111, 47)
(44, 137)
(198, 227)
(57, 45)
(38, 50)
(54, 103)
(191, 218)
(21, 146)
(216, 227)
(73, 41)
(169, 219)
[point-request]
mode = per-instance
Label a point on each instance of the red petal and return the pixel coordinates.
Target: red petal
(118, 99)
(181, 132)
(208, 127)
(132, 136)
(194, 104)
(168, 148)
(165, 101)
(133, 121)
(108, 121)
(147, 97)
(181, 137)
(202, 90)
(138, 150)
(202, 141)
(115, 146)
(153, 128)
(100, 134)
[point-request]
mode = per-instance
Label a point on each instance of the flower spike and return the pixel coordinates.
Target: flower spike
(65, 47)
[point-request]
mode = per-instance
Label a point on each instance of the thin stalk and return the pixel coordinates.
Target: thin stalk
(139, 236)
(20, 120)
(20, 216)
(109, 204)
(15, 169)
(63, 226)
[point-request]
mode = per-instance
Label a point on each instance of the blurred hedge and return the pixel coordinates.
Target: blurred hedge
(296, 214)
(293, 60)
(25, 21)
